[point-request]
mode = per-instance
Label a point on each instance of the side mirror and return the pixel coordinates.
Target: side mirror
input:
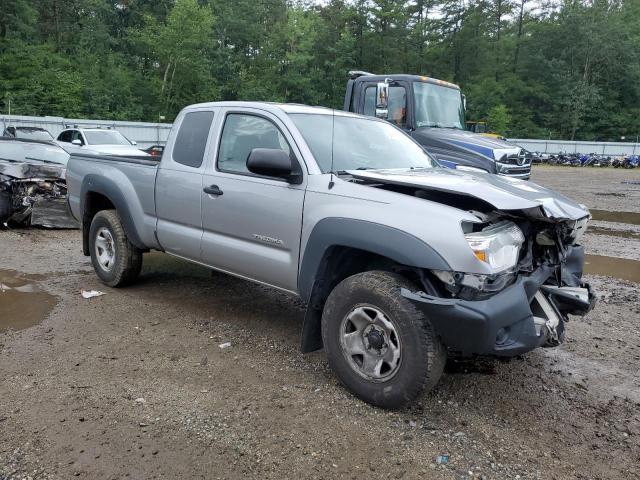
(382, 100)
(133, 142)
(271, 162)
(76, 142)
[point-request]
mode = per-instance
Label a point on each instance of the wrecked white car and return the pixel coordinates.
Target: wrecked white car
(33, 187)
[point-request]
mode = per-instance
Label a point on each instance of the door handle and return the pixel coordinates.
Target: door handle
(212, 190)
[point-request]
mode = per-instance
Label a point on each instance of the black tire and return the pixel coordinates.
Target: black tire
(127, 260)
(422, 354)
(6, 207)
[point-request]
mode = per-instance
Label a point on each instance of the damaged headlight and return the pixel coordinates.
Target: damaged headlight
(497, 245)
(472, 286)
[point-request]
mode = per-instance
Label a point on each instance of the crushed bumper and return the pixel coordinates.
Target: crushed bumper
(520, 318)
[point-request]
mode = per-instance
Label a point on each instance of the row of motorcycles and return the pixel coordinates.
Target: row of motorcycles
(590, 160)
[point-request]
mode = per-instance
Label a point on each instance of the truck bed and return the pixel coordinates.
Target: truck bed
(132, 178)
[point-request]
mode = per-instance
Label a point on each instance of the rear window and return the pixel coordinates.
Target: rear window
(192, 138)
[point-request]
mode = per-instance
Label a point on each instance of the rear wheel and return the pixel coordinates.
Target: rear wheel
(380, 346)
(116, 261)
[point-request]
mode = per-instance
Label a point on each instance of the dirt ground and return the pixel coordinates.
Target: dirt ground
(134, 383)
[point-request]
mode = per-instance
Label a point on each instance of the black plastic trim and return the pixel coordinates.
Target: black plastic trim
(471, 327)
(93, 183)
(383, 240)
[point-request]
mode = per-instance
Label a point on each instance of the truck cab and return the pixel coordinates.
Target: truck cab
(433, 112)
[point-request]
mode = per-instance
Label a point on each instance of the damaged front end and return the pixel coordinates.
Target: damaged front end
(526, 240)
(522, 306)
(33, 194)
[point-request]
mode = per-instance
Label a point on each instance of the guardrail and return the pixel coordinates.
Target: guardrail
(144, 133)
(565, 146)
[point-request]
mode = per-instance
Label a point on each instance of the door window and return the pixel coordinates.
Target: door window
(65, 136)
(75, 135)
(241, 134)
(397, 109)
(191, 141)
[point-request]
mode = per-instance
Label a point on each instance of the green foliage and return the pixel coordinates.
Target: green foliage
(499, 119)
(566, 69)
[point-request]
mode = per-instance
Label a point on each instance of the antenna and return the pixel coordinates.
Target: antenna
(333, 128)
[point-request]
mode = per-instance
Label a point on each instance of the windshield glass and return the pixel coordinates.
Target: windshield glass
(359, 143)
(105, 137)
(33, 134)
(438, 106)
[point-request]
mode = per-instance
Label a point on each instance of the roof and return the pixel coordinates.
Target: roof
(288, 108)
(405, 77)
(28, 129)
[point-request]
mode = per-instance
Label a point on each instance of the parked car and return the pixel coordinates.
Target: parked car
(155, 150)
(102, 141)
(28, 133)
(32, 183)
(398, 260)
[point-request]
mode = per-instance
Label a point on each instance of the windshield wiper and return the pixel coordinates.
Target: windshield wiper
(344, 172)
(440, 125)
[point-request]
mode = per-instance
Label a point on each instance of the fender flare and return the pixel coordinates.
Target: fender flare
(390, 242)
(383, 240)
(108, 188)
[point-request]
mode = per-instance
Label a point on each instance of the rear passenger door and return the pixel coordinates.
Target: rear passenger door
(251, 223)
(179, 184)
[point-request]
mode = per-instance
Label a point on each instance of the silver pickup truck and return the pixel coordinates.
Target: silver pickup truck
(400, 262)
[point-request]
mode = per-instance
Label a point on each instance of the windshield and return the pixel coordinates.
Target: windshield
(359, 143)
(105, 137)
(438, 106)
(33, 134)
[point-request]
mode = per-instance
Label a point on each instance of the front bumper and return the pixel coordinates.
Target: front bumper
(504, 324)
(514, 170)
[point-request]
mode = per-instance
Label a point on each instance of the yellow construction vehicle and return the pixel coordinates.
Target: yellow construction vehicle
(481, 129)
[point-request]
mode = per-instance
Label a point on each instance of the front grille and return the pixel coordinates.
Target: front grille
(515, 165)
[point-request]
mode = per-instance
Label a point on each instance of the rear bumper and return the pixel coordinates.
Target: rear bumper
(502, 325)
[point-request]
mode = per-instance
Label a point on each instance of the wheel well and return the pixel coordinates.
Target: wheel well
(93, 203)
(338, 263)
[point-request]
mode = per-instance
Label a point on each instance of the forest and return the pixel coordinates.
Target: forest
(565, 69)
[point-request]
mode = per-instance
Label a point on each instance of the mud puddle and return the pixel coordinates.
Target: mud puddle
(618, 217)
(613, 233)
(613, 267)
(22, 303)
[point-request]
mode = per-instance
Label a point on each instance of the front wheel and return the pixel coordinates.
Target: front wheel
(116, 261)
(379, 345)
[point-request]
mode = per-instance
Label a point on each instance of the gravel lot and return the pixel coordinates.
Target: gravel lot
(134, 383)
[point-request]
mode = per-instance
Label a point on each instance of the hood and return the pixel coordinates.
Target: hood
(464, 142)
(34, 152)
(503, 193)
(121, 150)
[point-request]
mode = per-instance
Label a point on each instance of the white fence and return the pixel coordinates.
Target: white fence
(146, 134)
(565, 146)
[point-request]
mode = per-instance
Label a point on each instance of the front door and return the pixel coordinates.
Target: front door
(251, 224)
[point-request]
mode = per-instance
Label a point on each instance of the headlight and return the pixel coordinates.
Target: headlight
(497, 245)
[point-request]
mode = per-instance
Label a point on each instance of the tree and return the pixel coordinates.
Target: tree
(499, 119)
(570, 69)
